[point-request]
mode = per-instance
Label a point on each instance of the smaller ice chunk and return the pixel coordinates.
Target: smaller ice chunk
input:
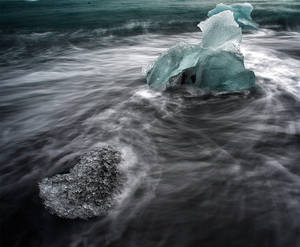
(241, 12)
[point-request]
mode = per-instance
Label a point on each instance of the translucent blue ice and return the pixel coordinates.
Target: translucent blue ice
(241, 13)
(216, 64)
(221, 31)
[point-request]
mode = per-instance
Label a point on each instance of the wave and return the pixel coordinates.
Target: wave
(278, 17)
(120, 18)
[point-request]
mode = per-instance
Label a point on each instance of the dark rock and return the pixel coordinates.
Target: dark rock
(89, 188)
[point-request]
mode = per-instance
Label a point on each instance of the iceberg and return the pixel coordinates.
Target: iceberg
(89, 189)
(241, 13)
(215, 65)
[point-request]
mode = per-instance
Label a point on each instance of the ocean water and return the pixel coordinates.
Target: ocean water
(205, 170)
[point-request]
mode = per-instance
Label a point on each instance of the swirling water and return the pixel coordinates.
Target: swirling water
(205, 170)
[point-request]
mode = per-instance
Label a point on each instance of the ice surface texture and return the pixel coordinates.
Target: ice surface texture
(89, 188)
(216, 64)
(241, 13)
(221, 31)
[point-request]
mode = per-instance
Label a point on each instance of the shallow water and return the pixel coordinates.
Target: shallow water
(205, 170)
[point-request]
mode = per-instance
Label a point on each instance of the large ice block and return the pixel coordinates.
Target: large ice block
(216, 64)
